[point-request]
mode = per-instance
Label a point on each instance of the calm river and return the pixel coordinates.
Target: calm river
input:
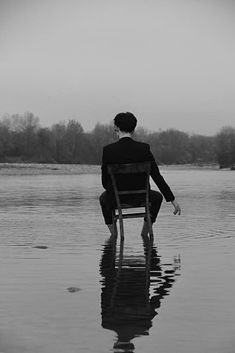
(66, 287)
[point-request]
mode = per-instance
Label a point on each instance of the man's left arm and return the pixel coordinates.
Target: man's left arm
(159, 180)
(162, 185)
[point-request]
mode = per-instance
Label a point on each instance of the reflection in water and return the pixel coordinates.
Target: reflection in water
(132, 290)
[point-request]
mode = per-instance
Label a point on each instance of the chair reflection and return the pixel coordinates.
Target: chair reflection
(132, 290)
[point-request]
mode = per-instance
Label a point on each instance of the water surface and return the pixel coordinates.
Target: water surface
(66, 286)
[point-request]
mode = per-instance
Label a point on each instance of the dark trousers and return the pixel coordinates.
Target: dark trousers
(107, 205)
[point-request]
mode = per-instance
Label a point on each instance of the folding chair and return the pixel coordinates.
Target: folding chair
(132, 169)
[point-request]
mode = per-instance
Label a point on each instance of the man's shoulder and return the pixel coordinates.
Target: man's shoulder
(136, 143)
(110, 145)
(142, 144)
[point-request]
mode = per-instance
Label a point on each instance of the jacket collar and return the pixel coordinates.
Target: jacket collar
(126, 138)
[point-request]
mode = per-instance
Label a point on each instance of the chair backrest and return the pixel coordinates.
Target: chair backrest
(142, 168)
(130, 168)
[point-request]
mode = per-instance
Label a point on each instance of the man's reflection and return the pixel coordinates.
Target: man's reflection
(127, 306)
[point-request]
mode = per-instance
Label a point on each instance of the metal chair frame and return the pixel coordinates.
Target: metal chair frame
(130, 168)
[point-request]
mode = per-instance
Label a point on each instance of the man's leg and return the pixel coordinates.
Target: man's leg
(155, 199)
(106, 206)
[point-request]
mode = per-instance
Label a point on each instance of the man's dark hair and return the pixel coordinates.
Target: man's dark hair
(126, 122)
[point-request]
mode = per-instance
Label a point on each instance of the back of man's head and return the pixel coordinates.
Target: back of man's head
(126, 122)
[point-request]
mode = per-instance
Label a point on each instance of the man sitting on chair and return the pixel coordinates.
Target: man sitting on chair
(127, 150)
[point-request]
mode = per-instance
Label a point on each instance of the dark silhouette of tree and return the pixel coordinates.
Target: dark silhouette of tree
(142, 134)
(23, 139)
(170, 146)
(202, 149)
(100, 136)
(45, 150)
(68, 142)
(22, 131)
(225, 147)
(58, 136)
(5, 142)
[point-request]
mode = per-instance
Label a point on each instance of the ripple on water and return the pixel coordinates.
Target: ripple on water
(62, 213)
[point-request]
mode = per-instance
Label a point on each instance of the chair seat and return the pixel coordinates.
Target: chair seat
(129, 205)
(131, 215)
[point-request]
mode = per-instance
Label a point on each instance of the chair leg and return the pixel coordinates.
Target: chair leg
(121, 254)
(120, 222)
(115, 227)
(115, 224)
(121, 227)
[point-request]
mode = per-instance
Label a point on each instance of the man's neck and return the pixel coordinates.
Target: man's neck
(124, 134)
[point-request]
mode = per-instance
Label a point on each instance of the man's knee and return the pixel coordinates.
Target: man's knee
(156, 197)
(103, 198)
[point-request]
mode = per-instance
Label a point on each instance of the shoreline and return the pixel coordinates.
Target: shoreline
(44, 169)
(76, 169)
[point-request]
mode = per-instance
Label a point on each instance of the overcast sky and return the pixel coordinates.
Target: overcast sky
(170, 62)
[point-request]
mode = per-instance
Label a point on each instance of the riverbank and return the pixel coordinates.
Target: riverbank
(43, 169)
(76, 169)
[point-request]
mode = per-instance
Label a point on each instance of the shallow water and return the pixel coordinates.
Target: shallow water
(66, 287)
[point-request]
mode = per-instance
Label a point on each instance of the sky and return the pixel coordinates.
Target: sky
(170, 62)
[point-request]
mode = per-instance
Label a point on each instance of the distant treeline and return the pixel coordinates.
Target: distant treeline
(23, 139)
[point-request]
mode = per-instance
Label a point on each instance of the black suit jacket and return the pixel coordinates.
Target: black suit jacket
(127, 150)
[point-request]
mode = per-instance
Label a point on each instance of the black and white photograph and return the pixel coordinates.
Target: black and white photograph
(117, 176)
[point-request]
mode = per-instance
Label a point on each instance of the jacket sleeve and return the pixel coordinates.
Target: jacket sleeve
(159, 180)
(104, 171)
